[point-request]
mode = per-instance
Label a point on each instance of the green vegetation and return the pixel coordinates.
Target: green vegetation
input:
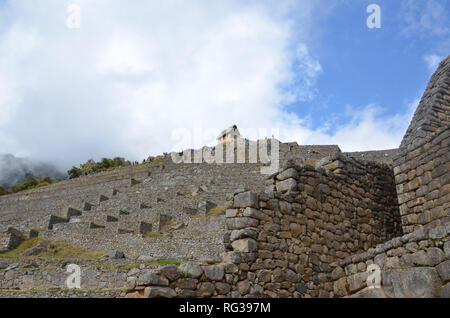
(56, 250)
(64, 250)
(218, 210)
(105, 164)
(17, 252)
(30, 183)
(3, 191)
(153, 235)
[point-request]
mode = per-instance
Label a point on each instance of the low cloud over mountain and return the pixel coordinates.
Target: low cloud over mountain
(15, 170)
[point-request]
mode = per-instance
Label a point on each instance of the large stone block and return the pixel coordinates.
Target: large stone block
(246, 199)
(159, 292)
(444, 270)
(205, 290)
(241, 223)
(244, 233)
(171, 272)
(287, 185)
(150, 278)
(288, 173)
(245, 245)
(445, 293)
(357, 281)
(340, 287)
(418, 282)
(191, 270)
(215, 272)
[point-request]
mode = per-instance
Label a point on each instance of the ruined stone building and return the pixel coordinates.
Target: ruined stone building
(327, 224)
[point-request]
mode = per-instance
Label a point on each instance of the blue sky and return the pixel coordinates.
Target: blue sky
(140, 78)
(385, 66)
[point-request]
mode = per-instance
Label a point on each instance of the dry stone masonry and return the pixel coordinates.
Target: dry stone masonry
(321, 226)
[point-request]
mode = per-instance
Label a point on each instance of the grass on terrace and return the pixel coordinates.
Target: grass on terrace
(50, 250)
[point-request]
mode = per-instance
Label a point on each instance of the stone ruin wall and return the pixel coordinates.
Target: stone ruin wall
(433, 111)
(415, 265)
(422, 175)
(282, 242)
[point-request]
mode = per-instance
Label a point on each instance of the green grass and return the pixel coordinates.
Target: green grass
(56, 250)
(152, 235)
(64, 250)
(17, 252)
(129, 266)
(218, 210)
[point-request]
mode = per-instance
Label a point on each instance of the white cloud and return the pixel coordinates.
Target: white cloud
(424, 18)
(137, 71)
(432, 61)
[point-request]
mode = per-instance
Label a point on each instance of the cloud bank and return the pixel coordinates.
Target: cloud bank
(136, 72)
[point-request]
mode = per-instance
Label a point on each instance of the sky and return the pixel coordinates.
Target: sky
(137, 78)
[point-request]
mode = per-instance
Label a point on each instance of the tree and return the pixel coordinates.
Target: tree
(74, 172)
(3, 191)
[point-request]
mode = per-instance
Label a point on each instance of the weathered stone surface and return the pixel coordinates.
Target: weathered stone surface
(205, 289)
(288, 173)
(445, 293)
(223, 288)
(337, 273)
(186, 283)
(370, 293)
(447, 249)
(232, 257)
(148, 277)
(291, 276)
(245, 245)
(246, 199)
(418, 282)
(264, 275)
(244, 233)
(435, 256)
(287, 185)
(444, 270)
(191, 270)
(114, 255)
(215, 272)
(357, 281)
(159, 292)
(171, 272)
(340, 287)
(241, 223)
(231, 213)
(243, 287)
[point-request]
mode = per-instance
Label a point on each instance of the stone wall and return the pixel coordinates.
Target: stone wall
(422, 175)
(415, 265)
(11, 239)
(4, 241)
(433, 110)
(287, 237)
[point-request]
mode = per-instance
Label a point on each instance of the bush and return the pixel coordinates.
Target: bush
(31, 183)
(3, 191)
(74, 172)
